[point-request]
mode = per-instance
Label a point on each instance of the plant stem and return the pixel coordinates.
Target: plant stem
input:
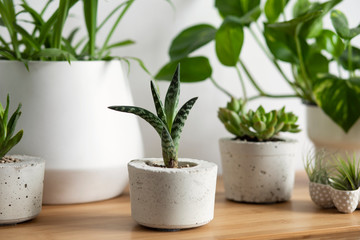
(242, 83)
(252, 80)
(220, 88)
(271, 58)
(273, 96)
(351, 71)
(114, 26)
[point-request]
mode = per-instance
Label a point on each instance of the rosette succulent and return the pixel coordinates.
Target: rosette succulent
(169, 121)
(256, 125)
(7, 128)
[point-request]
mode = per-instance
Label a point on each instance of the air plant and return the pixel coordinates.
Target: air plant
(317, 167)
(7, 129)
(169, 121)
(256, 125)
(347, 175)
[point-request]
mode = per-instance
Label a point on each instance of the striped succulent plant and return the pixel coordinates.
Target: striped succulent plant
(169, 121)
(7, 128)
(258, 125)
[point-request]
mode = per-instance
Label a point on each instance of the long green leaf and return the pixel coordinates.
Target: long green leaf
(12, 122)
(172, 98)
(121, 44)
(190, 40)
(27, 38)
(158, 104)
(148, 116)
(180, 119)
(63, 9)
(90, 13)
(11, 143)
(168, 149)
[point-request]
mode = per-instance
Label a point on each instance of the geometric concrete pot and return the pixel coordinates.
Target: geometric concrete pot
(172, 198)
(21, 189)
(345, 201)
(258, 172)
(321, 195)
(67, 122)
(325, 134)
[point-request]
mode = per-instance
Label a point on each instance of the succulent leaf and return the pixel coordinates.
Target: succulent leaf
(168, 149)
(172, 97)
(148, 116)
(158, 104)
(180, 119)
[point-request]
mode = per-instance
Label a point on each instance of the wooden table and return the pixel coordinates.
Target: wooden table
(111, 219)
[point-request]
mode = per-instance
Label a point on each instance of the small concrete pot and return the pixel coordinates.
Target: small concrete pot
(258, 172)
(345, 201)
(168, 198)
(320, 195)
(21, 189)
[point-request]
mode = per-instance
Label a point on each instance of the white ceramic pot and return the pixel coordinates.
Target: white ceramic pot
(345, 201)
(321, 195)
(21, 189)
(167, 198)
(325, 134)
(66, 121)
(257, 172)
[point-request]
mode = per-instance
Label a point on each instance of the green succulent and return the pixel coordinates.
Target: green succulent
(347, 175)
(7, 128)
(258, 125)
(169, 121)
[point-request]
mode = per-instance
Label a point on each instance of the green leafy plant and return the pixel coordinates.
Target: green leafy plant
(256, 125)
(169, 121)
(301, 44)
(46, 41)
(347, 175)
(317, 168)
(7, 128)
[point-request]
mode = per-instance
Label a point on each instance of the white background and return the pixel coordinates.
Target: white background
(153, 24)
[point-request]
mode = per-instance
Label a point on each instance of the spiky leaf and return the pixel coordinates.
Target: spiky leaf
(158, 104)
(180, 119)
(172, 97)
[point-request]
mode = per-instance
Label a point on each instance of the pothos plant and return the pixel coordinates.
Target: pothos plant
(7, 128)
(300, 43)
(169, 121)
(42, 38)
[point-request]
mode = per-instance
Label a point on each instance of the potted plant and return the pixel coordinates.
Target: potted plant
(178, 193)
(258, 164)
(21, 177)
(65, 84)
(301, 44)
(339, 188)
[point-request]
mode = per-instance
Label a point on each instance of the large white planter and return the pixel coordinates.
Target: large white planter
(168, 198)
(325, 134)
(257, 172)
(66, 121)
(21, 189)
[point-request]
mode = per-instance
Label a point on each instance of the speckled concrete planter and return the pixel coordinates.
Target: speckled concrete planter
(167, 198)
(21, 189)
(327, 197)
(258, 172)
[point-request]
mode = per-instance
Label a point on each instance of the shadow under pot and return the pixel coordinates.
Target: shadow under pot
(21, 189)
(172, 198)
(258, 172)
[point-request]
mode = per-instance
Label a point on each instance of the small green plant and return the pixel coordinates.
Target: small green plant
(258, 125)
(316, 167)
(169, 122)
(7, 128)
(347, 175)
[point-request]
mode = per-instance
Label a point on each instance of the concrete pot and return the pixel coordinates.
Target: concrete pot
(345, 201)
(67, 122)
(167, 198)
(257, 172)
(325, 134)
(21, 189)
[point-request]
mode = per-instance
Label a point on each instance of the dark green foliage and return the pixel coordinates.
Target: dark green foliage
(169, 121)
(7, 128)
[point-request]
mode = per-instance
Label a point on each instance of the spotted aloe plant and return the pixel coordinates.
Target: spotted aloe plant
(169, 121)
(7, 128)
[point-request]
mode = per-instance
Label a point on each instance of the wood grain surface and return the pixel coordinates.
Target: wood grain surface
(299, 218)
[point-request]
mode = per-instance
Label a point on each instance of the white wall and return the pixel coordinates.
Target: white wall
(153, 23)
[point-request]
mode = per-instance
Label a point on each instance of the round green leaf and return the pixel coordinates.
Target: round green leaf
(193, 69)
(228, 42)
(273, 9)
(355, 59)
(301, 7)
(341, 25)
(316, 64)
(191, 39)
(236, 8)
(330, 42)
